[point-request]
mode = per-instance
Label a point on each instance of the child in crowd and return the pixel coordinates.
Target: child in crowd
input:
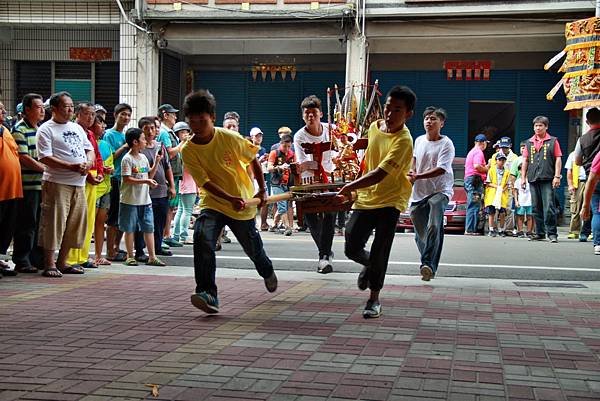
(188, 192)
(163, 192)
(135, 209)
(523, 205)
(496, 195)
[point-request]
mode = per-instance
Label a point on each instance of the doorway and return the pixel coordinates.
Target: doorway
(495, 119)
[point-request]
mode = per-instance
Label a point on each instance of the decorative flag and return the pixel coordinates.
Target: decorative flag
(581, 81)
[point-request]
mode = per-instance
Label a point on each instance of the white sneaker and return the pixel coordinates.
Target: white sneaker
(596, 249)
(325, 265)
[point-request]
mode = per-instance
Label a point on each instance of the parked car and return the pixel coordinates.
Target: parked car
(456, 211)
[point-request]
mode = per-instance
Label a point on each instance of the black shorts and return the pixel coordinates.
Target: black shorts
(492, 209)
(115, 197)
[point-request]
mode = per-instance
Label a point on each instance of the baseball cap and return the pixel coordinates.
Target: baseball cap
(500, 155)
(284, 130)
(497, 144)
(255, 131)
(481, 138)
(20, 108)
(505, 142)
(181, 126)
(100, 108)
(167, 108)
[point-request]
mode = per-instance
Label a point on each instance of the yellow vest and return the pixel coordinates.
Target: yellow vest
(490, 192)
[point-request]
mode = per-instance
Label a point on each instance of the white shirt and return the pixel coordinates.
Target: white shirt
(67, 142)
(135, 167)
(569, 166)
(524, 194)
(429, 155)
(302, 136)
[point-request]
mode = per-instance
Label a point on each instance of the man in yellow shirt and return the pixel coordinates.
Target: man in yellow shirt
(383, 192)
(212, 156)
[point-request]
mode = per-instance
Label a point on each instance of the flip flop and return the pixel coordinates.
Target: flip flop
(7, 272)
(102, 262)
(52, 273)
(72, 270)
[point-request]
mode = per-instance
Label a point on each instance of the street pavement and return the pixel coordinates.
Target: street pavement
(463, 256)
(118, 333)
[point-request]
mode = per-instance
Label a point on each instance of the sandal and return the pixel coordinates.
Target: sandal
(52, 273)
(72, 270)
(26, 269)
(156, 262)
(131, 262)
(102, 262)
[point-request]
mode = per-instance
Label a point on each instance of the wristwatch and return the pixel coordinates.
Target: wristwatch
(558, 176)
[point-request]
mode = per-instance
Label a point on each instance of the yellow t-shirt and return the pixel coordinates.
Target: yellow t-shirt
(220, 161)
(393, 154)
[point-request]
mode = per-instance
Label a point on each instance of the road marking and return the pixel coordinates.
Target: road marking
(312, 260)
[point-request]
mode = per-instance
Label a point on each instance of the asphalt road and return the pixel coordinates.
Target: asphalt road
(475, 257)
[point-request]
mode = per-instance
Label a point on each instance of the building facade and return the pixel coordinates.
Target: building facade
(481, 61)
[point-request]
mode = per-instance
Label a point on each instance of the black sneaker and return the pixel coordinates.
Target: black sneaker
(225, 239)
(372, 310)
(363, 281)
(520, 234)
(493, 233)
(271, 283)
(206, 302)
(503, 234)
(537, 237)
(163, 252)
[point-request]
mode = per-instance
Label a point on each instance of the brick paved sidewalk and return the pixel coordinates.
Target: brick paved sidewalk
(105, 336)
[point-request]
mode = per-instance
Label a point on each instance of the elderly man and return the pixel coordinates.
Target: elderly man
(64, 148)
(11, 188)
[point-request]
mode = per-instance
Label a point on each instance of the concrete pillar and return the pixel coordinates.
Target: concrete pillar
(128, 66)
(356, 59)
(147, 68)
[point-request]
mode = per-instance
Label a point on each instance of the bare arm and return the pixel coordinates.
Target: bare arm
(120, 151)
(480, 169)
(174, 150)
(590, 185)
(54, 162)
(434, 172)
(557, 167)
(524, 172)
(371, 178)
(570, 180)
(137, 181)
(30, 163)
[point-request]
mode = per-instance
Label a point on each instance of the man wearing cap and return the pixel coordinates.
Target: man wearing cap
(256, 135)
(168, 117)
(100, 111)
(475, 173)
(541, 168)
(27, 255)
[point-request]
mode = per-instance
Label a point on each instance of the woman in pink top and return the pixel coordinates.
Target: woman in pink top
(591, 201)
(188, 191)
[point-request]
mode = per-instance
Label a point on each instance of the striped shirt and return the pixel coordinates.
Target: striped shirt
(25, 136)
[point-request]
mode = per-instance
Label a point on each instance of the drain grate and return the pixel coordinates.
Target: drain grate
(549, 285)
